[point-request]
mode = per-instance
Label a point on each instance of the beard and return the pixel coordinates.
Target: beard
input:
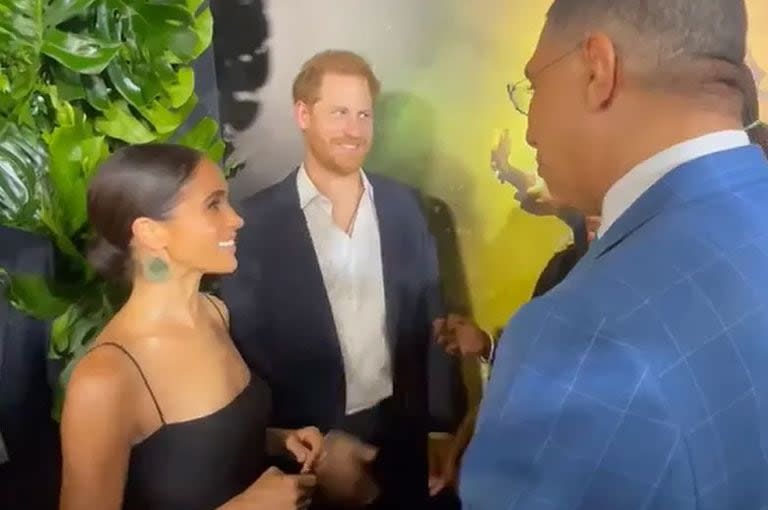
(342, 164)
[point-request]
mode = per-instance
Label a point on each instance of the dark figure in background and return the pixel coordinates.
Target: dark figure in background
(29, 446)
(337, 292)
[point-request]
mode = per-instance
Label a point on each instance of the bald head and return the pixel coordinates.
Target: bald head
(682, 44)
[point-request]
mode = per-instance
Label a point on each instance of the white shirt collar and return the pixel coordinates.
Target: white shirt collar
(308, 191)
(642, 177)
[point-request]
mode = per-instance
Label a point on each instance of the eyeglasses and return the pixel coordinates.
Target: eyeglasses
(756, 124)
(521, 92)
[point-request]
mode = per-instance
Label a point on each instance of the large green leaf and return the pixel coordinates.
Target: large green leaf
(81, 53)
(165, 26)
(62, 10)
(193, 5)
(5, 82)
(20, 40)
(96, 92)
(165, 119)
(181, 88)
(73, 331)
(32, 295)
(118, 122)
(23, 162)
(204, 136)
(121, 71)
(63, 111)
(107, 26)
(68, 83)
(75, 327)
(71, 337)
(204, 29)
(129, 86)
(50, 217)
(74, 156)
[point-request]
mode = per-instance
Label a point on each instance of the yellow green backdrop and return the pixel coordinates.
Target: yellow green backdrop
(445, 126)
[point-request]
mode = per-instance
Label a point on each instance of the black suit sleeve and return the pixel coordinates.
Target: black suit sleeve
(27, 379)
(447, 393)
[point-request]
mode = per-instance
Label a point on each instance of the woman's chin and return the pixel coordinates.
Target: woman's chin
(225, 267)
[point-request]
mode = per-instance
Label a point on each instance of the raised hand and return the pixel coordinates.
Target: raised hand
(503, 170)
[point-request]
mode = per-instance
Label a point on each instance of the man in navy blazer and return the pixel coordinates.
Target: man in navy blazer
(30, 460)
(337, 289)
(640, 381)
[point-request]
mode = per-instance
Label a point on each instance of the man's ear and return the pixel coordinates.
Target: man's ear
(302, 113)
(599, 55)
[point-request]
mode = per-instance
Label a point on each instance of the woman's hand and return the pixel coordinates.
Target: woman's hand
(306, 446)
(275, 490)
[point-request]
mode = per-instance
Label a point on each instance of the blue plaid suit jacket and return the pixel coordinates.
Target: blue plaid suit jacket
(641, 382)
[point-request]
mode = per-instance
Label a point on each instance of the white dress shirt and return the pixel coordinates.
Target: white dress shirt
(641, 178)
(352, 273)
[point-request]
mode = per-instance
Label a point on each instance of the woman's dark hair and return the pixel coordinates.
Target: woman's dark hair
(136, 181)
(750, 113)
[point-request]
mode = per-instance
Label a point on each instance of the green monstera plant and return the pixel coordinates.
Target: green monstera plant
(79, 79)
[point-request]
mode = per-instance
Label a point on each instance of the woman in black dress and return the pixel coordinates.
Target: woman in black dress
(162, 413)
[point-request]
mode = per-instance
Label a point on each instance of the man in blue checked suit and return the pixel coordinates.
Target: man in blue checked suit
(641, 381)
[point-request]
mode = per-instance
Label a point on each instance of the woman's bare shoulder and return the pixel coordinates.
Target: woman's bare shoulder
(101, 374)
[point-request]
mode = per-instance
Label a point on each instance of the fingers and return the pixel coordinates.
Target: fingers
(299, 451)
(447, 330)
(311, 443)
(447, 324)
(303, 485)
(273, 471)
(313, 454)
(366, 452)
(437, 328)
(436, 485)
(453, 349)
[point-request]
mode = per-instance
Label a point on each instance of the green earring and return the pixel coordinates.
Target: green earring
(156, 270)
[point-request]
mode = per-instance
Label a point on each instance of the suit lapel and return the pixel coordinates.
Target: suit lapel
(389, 239)
(300, 268)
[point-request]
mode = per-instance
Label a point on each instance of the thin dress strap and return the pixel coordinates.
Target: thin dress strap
(218, 309)
(141, 373)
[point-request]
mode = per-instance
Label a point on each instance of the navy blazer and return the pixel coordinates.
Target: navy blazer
(31, 478)
(282, 323)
